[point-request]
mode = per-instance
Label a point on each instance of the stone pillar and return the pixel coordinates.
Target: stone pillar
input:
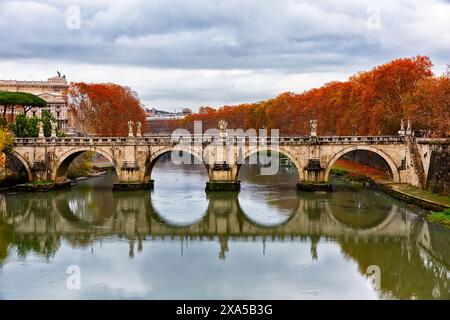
(221, 172)
(222, 178)
(40, 170)
(313, 172)
(313, 177)
(130, 177)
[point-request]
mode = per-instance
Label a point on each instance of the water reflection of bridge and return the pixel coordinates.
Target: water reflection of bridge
(133, 216)
(395, 240)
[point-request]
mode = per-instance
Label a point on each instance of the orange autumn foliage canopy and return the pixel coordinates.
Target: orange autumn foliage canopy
(104, 109)
(369, 103)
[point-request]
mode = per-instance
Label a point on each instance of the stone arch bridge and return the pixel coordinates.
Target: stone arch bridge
(133, 157)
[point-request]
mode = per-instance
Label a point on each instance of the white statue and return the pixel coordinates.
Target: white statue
(54, 126)
(313, 127)
(402, 125)
(138, 129)
(130, 128)
(41, 130)
(223, 125)
(223, 128)
(408, 128)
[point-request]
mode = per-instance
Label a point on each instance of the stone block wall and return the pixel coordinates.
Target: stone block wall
(438, 179)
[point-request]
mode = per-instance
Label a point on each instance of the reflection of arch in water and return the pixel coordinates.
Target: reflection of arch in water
(161, 218)
(254, 151)
(246, 216)
(366, 231)
(390, 163)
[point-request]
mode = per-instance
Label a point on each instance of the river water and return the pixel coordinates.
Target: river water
(266, 242)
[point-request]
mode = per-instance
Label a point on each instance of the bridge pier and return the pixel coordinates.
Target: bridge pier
(223, 186)
(222, 177)
(314, 180)
(313, 186)
(130, 186)
(40, 171)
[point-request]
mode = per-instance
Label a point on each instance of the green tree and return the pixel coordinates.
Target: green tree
(47, 119)
(27, 127)
(11, 100)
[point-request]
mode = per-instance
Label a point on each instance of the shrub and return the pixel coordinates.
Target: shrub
(442, 217)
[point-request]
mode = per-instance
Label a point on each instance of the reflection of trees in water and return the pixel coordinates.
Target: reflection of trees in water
(44, 245)
(25, 244)
(5, 239)
(404, 272)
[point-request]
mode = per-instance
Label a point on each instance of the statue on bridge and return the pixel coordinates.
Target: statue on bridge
(54, 126)
(130, 128)
(408, 130)
(313, 127)
(41, 130)
(223, 128)
(138, 129)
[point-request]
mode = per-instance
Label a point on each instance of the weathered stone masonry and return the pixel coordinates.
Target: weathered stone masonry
(134, 157)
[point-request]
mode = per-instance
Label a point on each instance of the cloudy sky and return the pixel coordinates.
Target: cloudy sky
(213, 52)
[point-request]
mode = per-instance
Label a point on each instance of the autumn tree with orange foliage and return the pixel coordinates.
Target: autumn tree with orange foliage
(369, 103)
(104, 109)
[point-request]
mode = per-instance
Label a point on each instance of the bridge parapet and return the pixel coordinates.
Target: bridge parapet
(231, 140)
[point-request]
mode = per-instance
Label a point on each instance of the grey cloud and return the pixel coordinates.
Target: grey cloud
(160, 48)
(207, 34)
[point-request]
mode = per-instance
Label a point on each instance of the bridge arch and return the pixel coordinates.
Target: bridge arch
(281, 150)
(391, 164)
(154, 157)
(59, 172)
(25, 164)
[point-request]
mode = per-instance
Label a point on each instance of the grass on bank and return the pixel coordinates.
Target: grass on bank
(442, 217)
(425, 194)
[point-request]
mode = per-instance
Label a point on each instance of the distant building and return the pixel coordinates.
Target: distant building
(53, 91)
(155, 115)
